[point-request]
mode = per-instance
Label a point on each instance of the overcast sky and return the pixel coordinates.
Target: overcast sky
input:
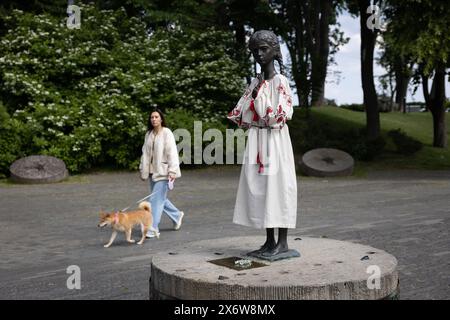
(346, 88)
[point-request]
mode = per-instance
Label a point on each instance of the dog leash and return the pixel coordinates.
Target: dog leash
(138, 201)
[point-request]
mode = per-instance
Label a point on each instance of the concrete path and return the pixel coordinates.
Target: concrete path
(46, 228)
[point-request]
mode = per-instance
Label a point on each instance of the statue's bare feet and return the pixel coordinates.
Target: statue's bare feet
(267, 246)
(279, 248)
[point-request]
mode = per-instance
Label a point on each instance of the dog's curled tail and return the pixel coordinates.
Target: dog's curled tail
(144, 206)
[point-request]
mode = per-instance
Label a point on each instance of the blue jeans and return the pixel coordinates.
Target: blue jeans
(160, 203)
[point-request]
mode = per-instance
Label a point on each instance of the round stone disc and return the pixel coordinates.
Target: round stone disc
(327, 162)
(326, 270)
(38, 169)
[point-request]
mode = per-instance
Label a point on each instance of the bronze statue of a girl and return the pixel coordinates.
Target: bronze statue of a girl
(267, 193)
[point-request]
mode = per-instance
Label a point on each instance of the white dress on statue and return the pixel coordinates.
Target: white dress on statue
(267, 192)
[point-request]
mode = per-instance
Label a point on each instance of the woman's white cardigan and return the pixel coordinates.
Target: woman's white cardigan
(165, 156)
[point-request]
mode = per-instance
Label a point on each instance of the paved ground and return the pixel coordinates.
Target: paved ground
(46, 228)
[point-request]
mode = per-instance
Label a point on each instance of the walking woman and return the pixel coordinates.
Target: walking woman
(160, 162)
(267, 192)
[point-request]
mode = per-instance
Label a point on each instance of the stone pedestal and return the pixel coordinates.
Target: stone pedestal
(326, 270)
(327, 162)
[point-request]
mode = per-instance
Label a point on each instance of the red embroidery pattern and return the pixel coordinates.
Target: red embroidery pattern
(252, 108)
(261, 166)
(281, 89)
(245, 115)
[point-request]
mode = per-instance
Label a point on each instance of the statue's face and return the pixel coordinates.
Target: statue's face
(263, 53)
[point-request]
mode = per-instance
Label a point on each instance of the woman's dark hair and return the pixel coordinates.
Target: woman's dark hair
(271, 39)
(161, 114)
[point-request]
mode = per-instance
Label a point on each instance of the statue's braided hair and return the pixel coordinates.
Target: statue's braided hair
(271, 39)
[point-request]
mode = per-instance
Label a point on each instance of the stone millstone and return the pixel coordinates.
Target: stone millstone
(38, 169)
(327, 270)
(326, 162)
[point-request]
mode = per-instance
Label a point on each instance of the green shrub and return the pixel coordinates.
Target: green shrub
(15, 141)
(405, 144)
(353, 107)
(360, 147)
(83, 95)
(447, 105)
(185, 119)
(319, 133)
(421, 104)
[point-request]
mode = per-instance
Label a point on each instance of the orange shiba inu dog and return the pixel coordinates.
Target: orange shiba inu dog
(125, 221)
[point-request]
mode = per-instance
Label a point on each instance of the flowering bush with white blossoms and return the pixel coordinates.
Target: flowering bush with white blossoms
(83, 95)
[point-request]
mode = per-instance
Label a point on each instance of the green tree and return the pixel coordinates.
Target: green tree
(400, 70)
(306, 27)
(368, 39)
(419, 29)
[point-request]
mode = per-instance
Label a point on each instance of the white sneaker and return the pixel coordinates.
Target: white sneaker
(177, 226)
(152, 234)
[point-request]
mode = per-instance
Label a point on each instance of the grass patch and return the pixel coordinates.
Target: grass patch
(416, 125)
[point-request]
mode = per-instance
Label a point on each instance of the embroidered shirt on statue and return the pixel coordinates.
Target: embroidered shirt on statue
(267, 191)
(271, 108)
